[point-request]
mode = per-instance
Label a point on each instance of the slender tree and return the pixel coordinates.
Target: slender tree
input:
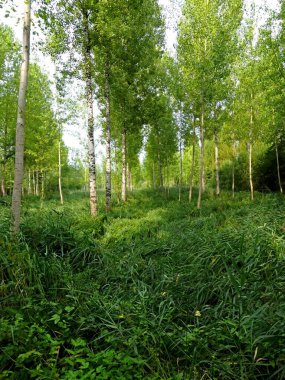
(20, 130)
(108, 138)
(71, 29)
(207, 34)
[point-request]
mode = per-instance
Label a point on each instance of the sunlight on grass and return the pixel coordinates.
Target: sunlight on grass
(155, 292)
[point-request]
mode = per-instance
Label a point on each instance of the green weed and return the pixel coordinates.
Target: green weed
(153, 290)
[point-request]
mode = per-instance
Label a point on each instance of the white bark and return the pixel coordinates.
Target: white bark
(108, 141)
(20, 129)
(59, 170)
(217, 164)
(90, 116)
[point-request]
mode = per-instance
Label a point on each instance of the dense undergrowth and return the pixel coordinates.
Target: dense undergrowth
(154, 290)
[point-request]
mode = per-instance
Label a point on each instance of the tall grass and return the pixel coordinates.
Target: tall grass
(154, 290)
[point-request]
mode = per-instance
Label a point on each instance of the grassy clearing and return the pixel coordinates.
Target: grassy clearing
(154, 290)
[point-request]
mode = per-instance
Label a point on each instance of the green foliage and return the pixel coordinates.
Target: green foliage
(9, 72)
(163, 291)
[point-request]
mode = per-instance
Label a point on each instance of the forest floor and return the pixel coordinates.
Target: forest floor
(155, 290)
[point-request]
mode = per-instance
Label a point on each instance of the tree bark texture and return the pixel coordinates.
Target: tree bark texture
(20, 128)
(108, 140)
(90, 117)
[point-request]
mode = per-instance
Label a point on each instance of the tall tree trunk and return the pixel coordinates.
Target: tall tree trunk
(89, 99)
(201, 159)
(192, 166)
(20, 129)
(108, 140)
(278, 168)
(59, 170)
(180, 169)
(124, 166)
(217, 163)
